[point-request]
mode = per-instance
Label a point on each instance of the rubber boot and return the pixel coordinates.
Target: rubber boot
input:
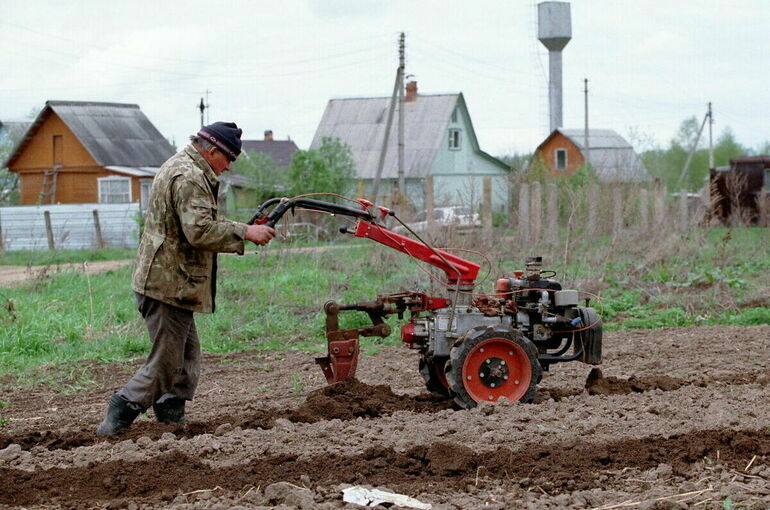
(120, 415)
(170, 410)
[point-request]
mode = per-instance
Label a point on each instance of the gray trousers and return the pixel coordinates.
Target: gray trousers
(173, 366)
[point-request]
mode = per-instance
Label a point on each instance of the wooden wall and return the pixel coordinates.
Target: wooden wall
(78, 171)
(547, 155)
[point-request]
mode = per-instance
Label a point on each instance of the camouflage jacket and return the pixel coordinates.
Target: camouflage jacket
(176, 260)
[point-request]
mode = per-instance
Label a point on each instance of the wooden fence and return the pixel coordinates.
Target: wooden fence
(542, 210)
(69, 226)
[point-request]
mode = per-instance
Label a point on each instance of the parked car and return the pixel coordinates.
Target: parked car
(458, 218)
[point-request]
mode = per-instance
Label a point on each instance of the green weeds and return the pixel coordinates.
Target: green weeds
(297, 384)
(42, 258)
(274, 299)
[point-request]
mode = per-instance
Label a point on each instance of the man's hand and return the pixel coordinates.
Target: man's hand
(259, 234)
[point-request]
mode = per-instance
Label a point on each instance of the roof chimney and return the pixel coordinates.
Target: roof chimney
(411, 92)
(268, 135)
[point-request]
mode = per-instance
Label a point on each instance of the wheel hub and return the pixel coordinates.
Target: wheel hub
(493, 372)
(496, 367)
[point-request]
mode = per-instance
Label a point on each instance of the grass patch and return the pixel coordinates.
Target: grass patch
(274, 299)
(53, 257)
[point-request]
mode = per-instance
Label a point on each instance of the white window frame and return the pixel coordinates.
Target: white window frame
(556, 159)
(113, 178)
(455, 139)
(454, 114)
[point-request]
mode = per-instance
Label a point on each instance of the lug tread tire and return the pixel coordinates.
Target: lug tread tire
(466, 344)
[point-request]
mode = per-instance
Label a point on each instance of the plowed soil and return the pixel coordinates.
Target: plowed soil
(674, 418)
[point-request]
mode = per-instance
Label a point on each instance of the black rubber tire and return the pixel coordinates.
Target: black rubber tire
(467, 345)
(428, 371)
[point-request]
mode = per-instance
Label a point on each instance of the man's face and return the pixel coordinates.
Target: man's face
(218, 161)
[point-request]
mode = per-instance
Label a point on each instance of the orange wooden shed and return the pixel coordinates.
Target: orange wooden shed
(613, 159)
(88, 152)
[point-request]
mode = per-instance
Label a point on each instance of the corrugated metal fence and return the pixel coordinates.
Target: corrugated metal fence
(69, 226)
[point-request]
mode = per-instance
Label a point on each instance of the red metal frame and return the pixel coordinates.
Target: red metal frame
(457, 269)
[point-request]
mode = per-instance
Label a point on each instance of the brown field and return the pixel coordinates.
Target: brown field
(678, 418)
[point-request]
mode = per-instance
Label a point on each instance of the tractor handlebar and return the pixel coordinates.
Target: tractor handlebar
(261, 217)
(458, 270)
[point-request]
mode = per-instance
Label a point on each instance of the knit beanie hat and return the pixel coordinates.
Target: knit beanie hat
(226, 136)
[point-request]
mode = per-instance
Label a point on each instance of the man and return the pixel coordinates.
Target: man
(175, 274)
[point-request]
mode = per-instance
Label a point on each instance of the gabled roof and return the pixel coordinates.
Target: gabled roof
(280, 150)
(113, 133)
(611, 156)
(360, 123)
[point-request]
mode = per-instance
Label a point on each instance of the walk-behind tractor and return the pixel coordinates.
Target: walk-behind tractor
(472, 347)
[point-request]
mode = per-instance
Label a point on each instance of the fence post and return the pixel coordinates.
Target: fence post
(429, 205)
(552, 214)
(2, 243)
(644, 210)
(763, 198)
(536, 211)
(524, 213)
(683, 212)
(98, 229)
(592, 206)
(49, 229)
(486, 208)
(659, 203)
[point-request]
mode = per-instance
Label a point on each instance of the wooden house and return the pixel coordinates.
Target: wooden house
(613, 159)
(88, 152)
(439, 140)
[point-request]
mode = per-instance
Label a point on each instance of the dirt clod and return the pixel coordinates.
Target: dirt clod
(685, 429)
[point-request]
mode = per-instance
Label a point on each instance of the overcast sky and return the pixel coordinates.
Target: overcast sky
(274, 65)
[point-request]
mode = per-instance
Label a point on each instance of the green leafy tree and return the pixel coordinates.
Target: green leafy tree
(262, 170)
(667, 164)
(328, 169)
(517, 162)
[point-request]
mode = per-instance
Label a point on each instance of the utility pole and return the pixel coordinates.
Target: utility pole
(585, 134)
(397, 86)
(208, 105)
(202, 108)
(711, 140)
(692, 150)
(401, 179)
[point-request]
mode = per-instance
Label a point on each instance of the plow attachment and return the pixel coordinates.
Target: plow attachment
(342, 358)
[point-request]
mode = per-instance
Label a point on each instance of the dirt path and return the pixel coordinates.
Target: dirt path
(677, 418)
(14, 275)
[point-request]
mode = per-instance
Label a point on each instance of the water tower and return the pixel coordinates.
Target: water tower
(554, 30)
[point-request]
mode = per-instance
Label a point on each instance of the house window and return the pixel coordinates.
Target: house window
(561, 159)
(454, 115)
(454, 139)
(114, 190)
